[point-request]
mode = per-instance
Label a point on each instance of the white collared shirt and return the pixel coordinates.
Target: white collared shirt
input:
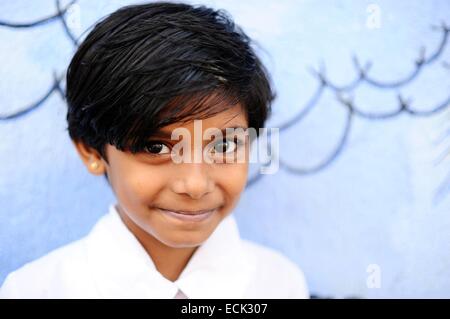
(111, 263)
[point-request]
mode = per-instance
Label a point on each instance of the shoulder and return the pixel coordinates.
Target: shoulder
(275, 276)
(49, 275)
(65, 272)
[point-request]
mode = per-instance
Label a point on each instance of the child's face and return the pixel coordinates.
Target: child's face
(149, 185)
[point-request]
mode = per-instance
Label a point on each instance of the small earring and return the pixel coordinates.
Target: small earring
(94, 165)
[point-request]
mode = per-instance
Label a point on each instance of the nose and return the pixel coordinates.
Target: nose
(193, 180)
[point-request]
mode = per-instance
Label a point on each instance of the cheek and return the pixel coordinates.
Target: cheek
(233, 178)
(137, 184)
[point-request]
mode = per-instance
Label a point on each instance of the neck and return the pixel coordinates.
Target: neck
(169, 261)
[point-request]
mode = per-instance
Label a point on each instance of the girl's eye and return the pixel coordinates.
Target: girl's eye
(226, 146)
(157, 148)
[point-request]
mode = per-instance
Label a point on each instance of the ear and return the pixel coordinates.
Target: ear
(91, 158)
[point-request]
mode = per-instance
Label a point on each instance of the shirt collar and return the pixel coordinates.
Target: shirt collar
(121, 267)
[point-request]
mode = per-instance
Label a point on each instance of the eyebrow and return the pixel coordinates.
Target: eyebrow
(168, 135)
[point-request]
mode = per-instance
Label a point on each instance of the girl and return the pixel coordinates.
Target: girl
(144, 77)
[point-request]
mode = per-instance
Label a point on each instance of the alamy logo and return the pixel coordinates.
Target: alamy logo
(267, 146)
(374, 278)
(373, 20)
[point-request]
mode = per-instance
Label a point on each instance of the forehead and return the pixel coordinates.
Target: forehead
(231, 117)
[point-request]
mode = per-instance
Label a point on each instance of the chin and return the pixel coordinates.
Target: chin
(182, 241)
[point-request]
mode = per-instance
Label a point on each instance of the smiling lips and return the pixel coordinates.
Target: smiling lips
(193, 216)
(196, 212)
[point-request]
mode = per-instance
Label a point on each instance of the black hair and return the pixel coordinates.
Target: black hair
(147, 66)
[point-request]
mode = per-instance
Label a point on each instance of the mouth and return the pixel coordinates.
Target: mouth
(190, 216)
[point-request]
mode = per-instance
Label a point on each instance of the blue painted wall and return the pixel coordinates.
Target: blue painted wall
(384, 201)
